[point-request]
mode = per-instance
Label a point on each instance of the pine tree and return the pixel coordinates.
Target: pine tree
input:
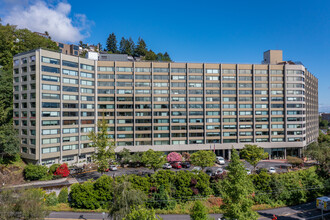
(237, 190)
(122, 45)
(112, 43)
(141, 48)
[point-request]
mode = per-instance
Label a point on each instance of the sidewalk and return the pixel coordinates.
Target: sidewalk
(37, 184)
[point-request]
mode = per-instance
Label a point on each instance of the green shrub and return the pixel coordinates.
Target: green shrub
(83, 196)
(161, 200)
(53, 168)
(199, 212)
(141, 213)
(295, 161)
(103, 188)
(51, 199)
(35, 172)
(63, 196)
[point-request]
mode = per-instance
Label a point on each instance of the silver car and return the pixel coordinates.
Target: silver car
(167, 166)
(272, 170)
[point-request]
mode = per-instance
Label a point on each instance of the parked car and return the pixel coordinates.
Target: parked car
(272, 170)
(185, 164)
(176, 165)
(220, 160)
(113, 167)
(196, 169)
(209, 171)
(218, 171)
(248, 171)
(167, 166)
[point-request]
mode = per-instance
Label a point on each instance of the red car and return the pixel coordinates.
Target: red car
(176, 165)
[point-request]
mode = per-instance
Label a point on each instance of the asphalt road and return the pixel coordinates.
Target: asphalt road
(305, 211)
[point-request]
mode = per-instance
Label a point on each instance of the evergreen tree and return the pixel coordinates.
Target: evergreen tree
(166, 57)
(112, 43)
(236, 191)
(141, 48)
(122, 45)
(150, 55)
(104, 146)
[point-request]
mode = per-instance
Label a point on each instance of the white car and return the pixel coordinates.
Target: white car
(220, 160)
(113, 167)
(248, 171)
(272, 170)
(219, 171)
(167, 166)
(196, 169)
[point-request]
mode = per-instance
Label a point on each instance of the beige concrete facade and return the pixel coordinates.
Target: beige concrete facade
(163, 106)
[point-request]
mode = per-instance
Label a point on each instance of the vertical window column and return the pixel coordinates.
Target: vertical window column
(237, 103)
(221, 110)
(269, 104)
(187, 103)
(133, 88)
(152, 103)
(204, 101)
(285, 103)
(170, 101)
(253, 103)
(115, 103)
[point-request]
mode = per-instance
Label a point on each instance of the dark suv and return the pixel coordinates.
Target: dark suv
(185, 164)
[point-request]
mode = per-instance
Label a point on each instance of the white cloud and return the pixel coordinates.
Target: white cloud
(40, 16)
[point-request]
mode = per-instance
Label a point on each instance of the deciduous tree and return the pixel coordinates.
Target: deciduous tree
(141, 213)
(321, 153)
(174, 157)
(253, 154)
(153, 159)
(125, 199)
(203, 158)
(9, 141)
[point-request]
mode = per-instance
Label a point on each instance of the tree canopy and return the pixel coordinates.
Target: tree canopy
(203, 158)
(153, 159)
(112, 43)
(253, 154)
(321, 153)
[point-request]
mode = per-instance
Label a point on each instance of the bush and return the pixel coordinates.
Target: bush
(62, 170)
(51, 199)
(161, 200)
(53, 168)
(63, 196)
(199, 212)
(103, 188)
(83, 196)
(295, 161)
(141, 213)
(35, 172)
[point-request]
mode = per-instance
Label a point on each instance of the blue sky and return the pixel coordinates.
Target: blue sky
(200, 31)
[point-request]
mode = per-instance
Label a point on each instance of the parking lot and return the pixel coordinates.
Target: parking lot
(280, 166)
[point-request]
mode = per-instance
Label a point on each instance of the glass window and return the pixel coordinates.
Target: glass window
(50, 60)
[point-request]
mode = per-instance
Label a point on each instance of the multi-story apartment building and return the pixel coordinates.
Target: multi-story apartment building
(59, 98)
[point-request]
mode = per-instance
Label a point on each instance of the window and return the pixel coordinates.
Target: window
(50, 131)
(50, 69)
(195, 70)
(69, 89)
(86, 67)
(70, 72)
(50, 60)
(212, 71)
(124, 69)
(140, 69)
(105, 69)
(86, 90)
(179, 77)
(50, 114)
(161, 77)
(87, 82)
(50, 78)
(195, 77)
(143, 77)
(178, 70)
(70, 81)
(47, 150)
(50, 105)
(69, 64)
(50, 96)
(50, 122)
